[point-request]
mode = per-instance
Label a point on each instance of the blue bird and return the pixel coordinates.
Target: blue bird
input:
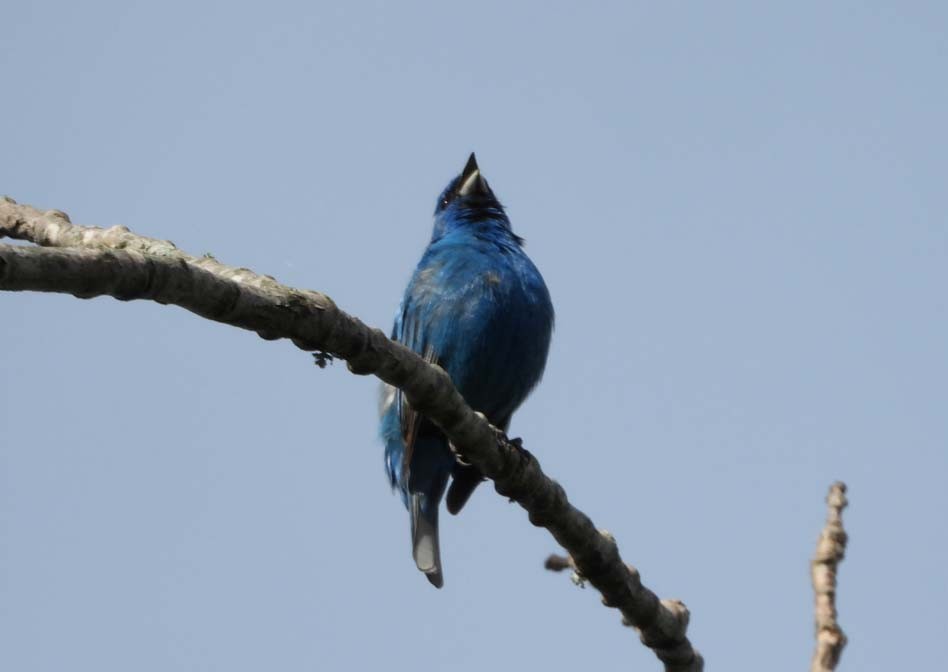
(478, 307)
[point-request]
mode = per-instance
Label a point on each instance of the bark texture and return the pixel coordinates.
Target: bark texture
(90, 261)
(830, 550)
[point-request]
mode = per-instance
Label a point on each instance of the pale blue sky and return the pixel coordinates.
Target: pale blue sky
(739, 209)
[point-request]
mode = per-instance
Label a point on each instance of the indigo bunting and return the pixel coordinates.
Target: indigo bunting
(478, 307)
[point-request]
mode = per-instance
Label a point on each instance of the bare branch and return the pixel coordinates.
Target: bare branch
(114, 262)
(830, 550)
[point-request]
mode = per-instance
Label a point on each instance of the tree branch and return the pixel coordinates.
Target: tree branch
(830, 550)
(114, 262)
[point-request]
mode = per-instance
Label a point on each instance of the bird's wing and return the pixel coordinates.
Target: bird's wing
(427, 322)
(410, 330)
(410, 421)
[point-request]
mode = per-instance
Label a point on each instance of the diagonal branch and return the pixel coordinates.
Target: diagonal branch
(114, 262)
(830, 550)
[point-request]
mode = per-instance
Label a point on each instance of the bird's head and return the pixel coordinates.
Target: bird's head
(468, 199)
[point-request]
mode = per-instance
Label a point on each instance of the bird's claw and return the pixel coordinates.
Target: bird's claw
(457, 456)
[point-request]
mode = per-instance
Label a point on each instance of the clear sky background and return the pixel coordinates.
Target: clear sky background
(739, 209)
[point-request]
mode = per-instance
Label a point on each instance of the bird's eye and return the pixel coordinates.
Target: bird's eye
(445, 201)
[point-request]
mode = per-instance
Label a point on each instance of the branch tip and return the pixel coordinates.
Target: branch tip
(830, 551)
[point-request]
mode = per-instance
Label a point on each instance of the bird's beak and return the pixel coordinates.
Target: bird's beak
(471, 181)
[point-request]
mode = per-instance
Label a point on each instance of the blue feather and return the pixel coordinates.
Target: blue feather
(477, 306)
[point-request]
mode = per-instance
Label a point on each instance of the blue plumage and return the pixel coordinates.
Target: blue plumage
(477, 306)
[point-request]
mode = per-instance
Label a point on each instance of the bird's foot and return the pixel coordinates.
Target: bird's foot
(457, 456)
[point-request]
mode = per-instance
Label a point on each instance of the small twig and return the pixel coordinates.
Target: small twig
(830, 550)
(322, 359)
(559, 563)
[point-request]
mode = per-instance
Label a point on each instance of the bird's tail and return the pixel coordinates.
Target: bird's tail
(424, 536)
(430, 468)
